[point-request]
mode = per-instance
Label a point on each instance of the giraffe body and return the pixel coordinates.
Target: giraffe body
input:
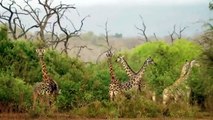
(135, 79)
(179, 90)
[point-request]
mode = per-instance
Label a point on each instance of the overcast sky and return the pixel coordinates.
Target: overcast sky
(159, 15)
(136, 2)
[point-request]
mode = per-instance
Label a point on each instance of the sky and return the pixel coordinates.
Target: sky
(134, 2)
(159, 15)
(123, 15)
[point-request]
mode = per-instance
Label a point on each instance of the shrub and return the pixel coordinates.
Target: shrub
(14, 92)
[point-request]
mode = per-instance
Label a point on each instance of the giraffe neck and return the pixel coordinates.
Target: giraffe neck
(44, 69)
(111, 70)
(184, 73)
(141, 71)
(188, 71)
(127, 68)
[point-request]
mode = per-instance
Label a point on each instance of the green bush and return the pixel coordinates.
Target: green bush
(14, 92)
(3, 32)
(20, 59)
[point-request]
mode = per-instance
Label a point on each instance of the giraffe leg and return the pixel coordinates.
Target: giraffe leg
(153, 96)
(46, 101)
(111, 96)
(34, 99)
(167, 98)
(50, 101)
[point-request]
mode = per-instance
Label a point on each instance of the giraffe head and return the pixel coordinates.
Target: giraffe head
(109, 54)
(119, 59)
(149, 60)
(194, 63)
(40, 52)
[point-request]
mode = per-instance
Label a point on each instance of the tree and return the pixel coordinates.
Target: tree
(45, 17)
(142, 30)
(80, 49)
(12, 17)
(109, 47)
(211, 5)
(178, 34)
(118, 35)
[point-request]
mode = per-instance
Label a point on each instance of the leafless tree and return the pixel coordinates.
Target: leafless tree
(109, 47)
(47, 18)
(172, 34)
(12, 17)
(143, 29)
(67, 33)
(106, 34)
(179, 34)
(155, 37)
(79, 49)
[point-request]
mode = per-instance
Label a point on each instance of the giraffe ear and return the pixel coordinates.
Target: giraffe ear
(38, 50)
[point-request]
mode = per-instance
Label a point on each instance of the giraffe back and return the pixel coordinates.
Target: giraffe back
(41, 88)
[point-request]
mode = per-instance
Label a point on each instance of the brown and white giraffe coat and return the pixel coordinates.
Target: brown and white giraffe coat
(115, 85)
(135, 79)
(179, 89)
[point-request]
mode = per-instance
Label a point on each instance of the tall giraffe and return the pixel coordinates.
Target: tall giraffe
(47, 90)
(115, 85)
(179, 88)
(135, 77)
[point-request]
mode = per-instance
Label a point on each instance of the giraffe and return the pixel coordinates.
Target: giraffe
(133, 76)
(115, 85)
(179, 88)
(47, 90)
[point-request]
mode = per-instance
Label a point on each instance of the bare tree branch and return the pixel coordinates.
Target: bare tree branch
(67, 33)
(109, 47)
(179, 35)
(11, 16)
(99, 56)
(50, 21)
(79, 49)
(106, 33)
(172, 34)
(155, 37)
(143, 29)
